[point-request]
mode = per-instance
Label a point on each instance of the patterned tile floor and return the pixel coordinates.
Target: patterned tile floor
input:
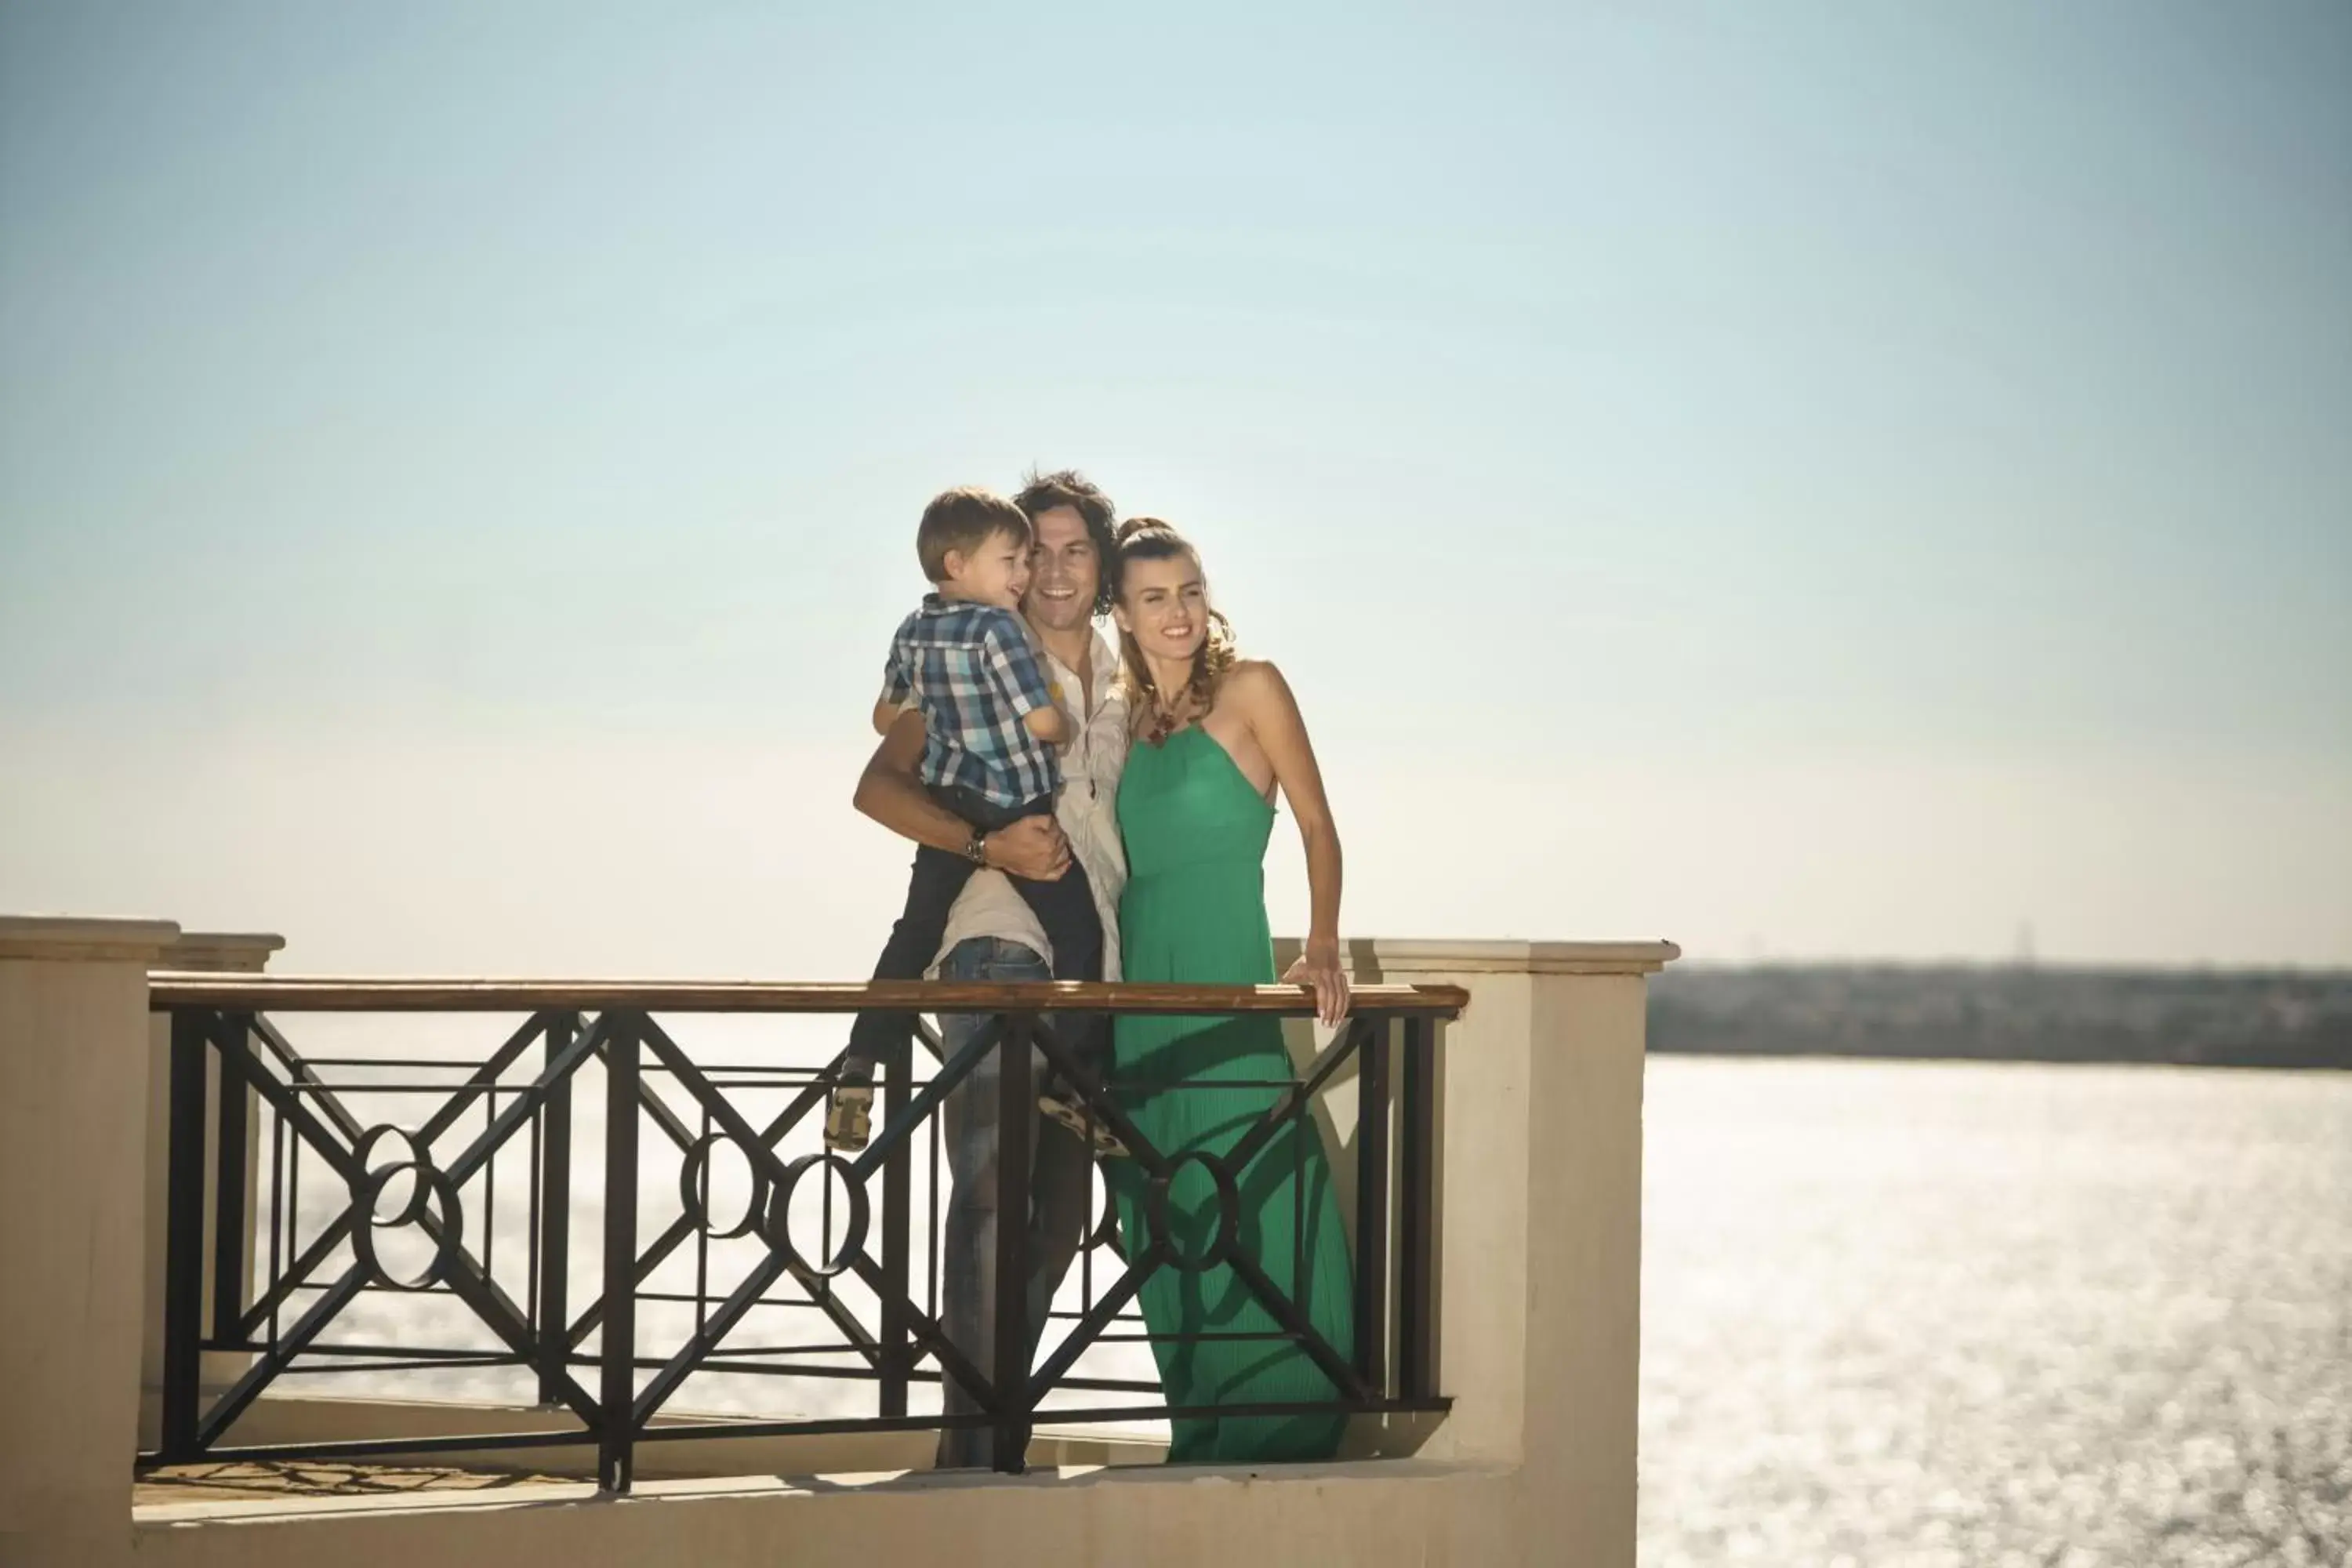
(250, 1482)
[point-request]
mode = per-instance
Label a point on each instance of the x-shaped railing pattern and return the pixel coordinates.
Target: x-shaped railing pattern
(321, 1120)
(628, 1041)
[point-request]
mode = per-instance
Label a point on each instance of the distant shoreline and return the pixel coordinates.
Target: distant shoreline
(2023, 1013)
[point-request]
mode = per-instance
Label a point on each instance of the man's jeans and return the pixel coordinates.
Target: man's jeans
(1060, 1185)
(1065, 907)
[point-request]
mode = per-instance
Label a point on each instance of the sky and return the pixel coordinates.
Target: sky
(1804, 480)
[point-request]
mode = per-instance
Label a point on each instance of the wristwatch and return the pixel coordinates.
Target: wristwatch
(976, 850)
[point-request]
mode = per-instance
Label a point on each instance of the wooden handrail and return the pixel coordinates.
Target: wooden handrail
(307, 993)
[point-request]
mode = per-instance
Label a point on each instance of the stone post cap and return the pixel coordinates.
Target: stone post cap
(56, 938)
(219, 953)
(1398, 959)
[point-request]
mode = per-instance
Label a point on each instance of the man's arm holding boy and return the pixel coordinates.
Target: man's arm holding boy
(891, 792)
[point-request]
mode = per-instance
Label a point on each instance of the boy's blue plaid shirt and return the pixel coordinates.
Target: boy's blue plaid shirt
(972, 672)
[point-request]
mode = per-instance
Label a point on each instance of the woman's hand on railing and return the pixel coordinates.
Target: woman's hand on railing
(1319, 968)
(1032, 848)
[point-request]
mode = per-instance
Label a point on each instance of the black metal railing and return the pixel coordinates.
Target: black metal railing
(267, 1261)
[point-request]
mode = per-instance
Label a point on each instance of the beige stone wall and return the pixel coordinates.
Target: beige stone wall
(73, 1083)
(1541, 1233)
(1371, 1514)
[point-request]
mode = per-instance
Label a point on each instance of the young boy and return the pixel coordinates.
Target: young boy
(990, 729)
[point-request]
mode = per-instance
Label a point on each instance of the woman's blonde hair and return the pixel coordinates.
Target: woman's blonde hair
(1149, 539)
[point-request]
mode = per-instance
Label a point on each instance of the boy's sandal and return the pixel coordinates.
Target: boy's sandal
(849, 1120)
(1092, 1130)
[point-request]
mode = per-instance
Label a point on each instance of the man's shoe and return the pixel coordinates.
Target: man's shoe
(1089, 1128)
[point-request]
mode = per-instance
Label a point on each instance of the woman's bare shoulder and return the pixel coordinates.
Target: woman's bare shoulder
(1256, 686)
(1257, 673)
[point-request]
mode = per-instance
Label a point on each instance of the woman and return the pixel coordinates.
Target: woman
(1216, 737)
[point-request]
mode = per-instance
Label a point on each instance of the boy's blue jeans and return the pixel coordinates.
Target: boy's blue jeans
(1060, 1192)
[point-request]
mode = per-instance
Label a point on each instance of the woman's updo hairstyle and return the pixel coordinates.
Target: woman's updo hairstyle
(1149, 539)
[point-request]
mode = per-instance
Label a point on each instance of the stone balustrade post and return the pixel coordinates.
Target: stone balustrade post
(1540, 1214)
(73, 1099)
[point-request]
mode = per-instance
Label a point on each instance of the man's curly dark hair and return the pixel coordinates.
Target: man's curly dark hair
(1042, 492)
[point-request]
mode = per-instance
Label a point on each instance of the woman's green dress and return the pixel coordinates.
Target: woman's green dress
(1194, 910)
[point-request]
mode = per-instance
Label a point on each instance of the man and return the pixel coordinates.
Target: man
(993, 935)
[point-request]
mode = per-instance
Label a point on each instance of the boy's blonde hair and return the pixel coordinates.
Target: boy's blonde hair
(962, 519)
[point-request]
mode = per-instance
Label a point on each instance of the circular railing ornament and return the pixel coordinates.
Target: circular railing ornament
(1229, 1214)
(694, 1172)
(432, 1186)
(777, 1231)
